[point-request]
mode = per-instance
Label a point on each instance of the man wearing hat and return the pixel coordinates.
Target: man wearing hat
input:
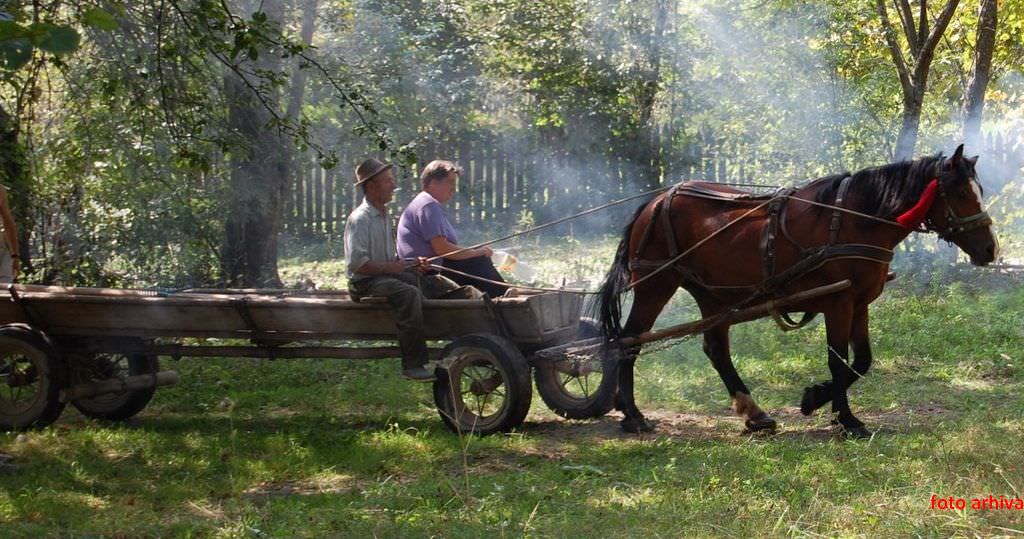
(374, 269)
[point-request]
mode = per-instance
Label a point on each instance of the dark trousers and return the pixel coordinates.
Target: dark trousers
(480, 266)
(405, 292)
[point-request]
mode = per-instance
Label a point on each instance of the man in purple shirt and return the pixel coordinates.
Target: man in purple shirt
(425, 231)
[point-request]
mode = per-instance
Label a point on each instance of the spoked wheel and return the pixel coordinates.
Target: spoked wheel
(30, 380)
(578, 387)
(483, 385)
(102, 367)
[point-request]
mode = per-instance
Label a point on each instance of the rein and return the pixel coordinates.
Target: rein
(550, 223)
(814, 257)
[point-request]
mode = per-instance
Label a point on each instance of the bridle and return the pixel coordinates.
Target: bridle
(954, 223)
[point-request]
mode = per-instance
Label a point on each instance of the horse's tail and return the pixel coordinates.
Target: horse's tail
(615, 283)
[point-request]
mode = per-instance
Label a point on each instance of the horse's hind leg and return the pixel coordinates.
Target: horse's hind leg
(648, 301)
(716, 346)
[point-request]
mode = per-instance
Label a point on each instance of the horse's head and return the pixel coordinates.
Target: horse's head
(957, 214)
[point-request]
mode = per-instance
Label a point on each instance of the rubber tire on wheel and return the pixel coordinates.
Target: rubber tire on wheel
(123, 405)
(509, 370)
(551, 384)
(44, 406)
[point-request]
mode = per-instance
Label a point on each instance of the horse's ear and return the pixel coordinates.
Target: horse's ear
(958, 154)
(973, 160)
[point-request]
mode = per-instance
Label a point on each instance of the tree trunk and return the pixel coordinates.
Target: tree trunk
(981, 71)
(259, 166)
(908, 130)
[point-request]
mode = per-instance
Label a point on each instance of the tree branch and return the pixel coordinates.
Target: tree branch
(924, 60)
(894, 49)
(922, 22)
(907, 18)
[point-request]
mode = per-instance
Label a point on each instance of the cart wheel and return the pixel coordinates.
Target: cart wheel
(483, 385)
(31, 375)
(578, 388)
(115, 406)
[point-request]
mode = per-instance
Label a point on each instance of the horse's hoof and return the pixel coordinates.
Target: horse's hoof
(763, 422)
(635, 426)
(814, 397)
(859, 432)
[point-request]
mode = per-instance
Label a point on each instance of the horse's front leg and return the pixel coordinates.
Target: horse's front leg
(839, 325)
(716, 347)
(819, 395)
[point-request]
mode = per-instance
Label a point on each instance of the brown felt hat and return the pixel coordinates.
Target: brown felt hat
(370, 168)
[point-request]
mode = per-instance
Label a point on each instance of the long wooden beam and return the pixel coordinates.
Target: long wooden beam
(733, 317)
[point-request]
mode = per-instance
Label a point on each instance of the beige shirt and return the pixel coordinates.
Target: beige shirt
(369, 236)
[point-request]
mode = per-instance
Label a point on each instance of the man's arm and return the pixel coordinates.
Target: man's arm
(442, 247)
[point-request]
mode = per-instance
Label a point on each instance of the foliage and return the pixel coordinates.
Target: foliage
(129, 151)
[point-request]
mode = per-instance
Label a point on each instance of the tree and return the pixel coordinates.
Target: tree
(981, 72)
(259, 163)
(921, 41)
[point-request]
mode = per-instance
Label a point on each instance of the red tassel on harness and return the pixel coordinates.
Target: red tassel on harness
(915, 216)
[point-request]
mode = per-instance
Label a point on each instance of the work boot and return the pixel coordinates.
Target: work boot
(419, 374)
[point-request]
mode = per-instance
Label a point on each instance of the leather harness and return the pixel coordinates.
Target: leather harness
(811, 258)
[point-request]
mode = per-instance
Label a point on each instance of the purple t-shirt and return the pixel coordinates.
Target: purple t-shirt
(423, 220)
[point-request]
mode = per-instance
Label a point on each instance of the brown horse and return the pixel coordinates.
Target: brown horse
(729, 249)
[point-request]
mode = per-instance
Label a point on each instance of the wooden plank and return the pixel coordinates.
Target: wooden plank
(318, 199)
(330, 200)
(310, 217)
(289, 204)
(281, 352)
(301, 316)
(486, 152)
(735, 317)
(465, 192)
(299, 197)
(697, 326)
(500, 183)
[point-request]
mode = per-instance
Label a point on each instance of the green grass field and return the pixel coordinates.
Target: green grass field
(303, 448)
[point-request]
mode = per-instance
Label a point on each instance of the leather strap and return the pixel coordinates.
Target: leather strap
(776, 209)
(837, 214)
(666, 223)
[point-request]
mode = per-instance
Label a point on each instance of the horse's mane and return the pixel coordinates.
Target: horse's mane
(883, 191)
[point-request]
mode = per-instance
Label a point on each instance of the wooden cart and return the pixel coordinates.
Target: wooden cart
(97, 348)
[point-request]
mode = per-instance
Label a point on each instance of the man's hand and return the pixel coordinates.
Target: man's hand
(486, 251)
(422, 265)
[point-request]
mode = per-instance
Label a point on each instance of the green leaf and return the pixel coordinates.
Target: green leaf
(97, 18)
(11, 30)
(59, 40)
(15, 53)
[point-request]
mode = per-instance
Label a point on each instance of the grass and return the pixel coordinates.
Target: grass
(305, 448)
